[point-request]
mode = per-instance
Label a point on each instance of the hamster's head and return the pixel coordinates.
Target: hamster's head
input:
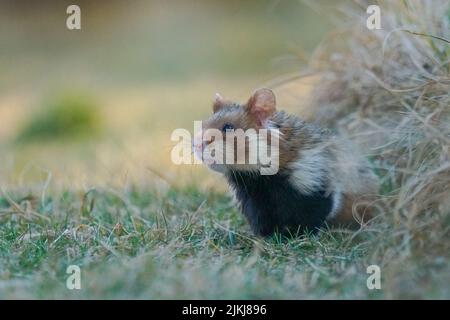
(230, 138)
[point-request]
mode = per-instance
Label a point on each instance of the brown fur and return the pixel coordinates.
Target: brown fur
(354, 212)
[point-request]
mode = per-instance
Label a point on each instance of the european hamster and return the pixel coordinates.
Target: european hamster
(319, 178)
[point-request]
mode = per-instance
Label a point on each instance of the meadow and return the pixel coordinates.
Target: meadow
(86, 177)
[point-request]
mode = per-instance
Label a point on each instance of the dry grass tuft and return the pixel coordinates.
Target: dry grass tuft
(389, 90)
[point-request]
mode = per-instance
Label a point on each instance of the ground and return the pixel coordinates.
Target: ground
(189, 244)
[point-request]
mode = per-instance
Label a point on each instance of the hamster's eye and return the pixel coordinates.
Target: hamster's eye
(227, 127)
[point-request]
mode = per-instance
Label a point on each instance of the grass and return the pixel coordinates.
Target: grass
(67, 117)
(190, 244)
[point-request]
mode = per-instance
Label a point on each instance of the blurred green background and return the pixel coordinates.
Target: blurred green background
(97, 106)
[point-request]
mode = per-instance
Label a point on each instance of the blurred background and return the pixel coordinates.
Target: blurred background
(97, 106)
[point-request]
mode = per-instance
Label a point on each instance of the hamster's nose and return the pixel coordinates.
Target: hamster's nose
(197, 142)
(200, 143)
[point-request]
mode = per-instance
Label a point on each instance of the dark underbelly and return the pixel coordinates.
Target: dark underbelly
(272, 204)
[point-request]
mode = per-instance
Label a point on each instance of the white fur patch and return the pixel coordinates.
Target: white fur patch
(337, 203)
(309, 172)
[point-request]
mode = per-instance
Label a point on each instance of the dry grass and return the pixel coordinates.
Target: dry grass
(389, 90)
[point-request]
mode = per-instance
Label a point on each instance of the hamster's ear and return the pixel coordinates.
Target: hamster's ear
(261, 105)
(219, 102)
